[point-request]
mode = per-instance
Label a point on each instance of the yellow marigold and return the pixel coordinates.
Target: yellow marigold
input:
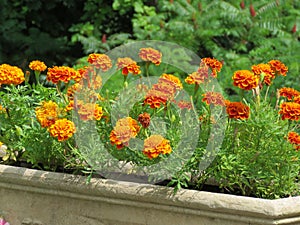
(214, 64)
(37, 65)
(245, 79)
(128, 65)
(47, 113)
(156, 145)
(171, 79)
(89, 111)
(63, 129)
(214, 98)
(288, 93)
(11, 75)
(1, 143)
(70, 106)
(63, 74)
(100, 61)
(278, 67)
(290, 111)
(125, 129)
(237, 110)
(264, 70)
(150, 54)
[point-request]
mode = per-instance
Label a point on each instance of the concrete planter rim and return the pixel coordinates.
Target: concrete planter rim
(280, 211)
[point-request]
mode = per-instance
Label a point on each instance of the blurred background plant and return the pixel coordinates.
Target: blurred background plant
(240, 33)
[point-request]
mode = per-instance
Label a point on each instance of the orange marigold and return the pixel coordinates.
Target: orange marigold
(63, 129)
(125, 129)
(89, 111)
(150, 54)
(290, 111)
(11, 75)
(37, 65)
(214, 98)
(264, 70)
(47, 113)
(288, 93)
(156, 145)
(63, 74)
(155, 98)
(100, 61)
(182, 104)
(294, 139)
(128, 65)
(237, 110)
(144, 119)
(297, 99)
(278, 67)
(214, 64)
(198, 77)
(90, 78)
(245, 79)
(2, 109)
(172, 80)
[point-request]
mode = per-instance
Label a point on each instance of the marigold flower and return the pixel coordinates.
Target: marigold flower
(63, 74)
(72, 89)
(297, 99)
(156, 98)
(150, 54)
(294, 138)
(2, 109)
(214, 64)
(100, 61)
(264, 70)
(70, 106)
(90, 78)
(171, 79)
(237, 110)
(125, 129)
(290, 111)
(144, 119)
(37, 65)
(156, 145)
(128, 65)
(47, 113)
(245, 79)
(11, 75)
(184, 104)
(63, 129)
(89, 111)
(278, 67)
(214, 98)
(198, 77)
(288, 93)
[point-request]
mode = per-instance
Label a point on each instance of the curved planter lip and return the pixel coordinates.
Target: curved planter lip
(280, 211)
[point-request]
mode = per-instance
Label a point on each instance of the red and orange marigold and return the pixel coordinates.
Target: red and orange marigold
(214, 98)
(214, 64)
(265, 71)
(290, 111)
(63, 74)
(100, 61)
(89, 111)
(245, 79)
(11, 75)
(128, 65)
(144, 119)
(278, 67)
(37, 65)
(294, 139)
(125, 129)
(289, 93)
(62, 129)
(237, 110)
(150, 54)
(156, 145)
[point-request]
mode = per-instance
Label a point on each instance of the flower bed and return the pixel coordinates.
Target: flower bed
(162, 112)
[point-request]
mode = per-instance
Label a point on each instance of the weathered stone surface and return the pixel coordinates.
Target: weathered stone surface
(44, 198)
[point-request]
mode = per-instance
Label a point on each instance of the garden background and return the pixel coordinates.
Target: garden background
(238, 33)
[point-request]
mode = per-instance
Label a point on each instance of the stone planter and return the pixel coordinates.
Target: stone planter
(36, 197)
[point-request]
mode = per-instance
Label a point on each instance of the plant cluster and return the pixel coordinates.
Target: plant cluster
(116, 109)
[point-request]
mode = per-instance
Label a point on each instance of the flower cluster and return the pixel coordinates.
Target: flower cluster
(11, 75)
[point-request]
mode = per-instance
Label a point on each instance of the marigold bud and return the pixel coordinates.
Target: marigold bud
(294, 29)
(242, 4)
(252, 11)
